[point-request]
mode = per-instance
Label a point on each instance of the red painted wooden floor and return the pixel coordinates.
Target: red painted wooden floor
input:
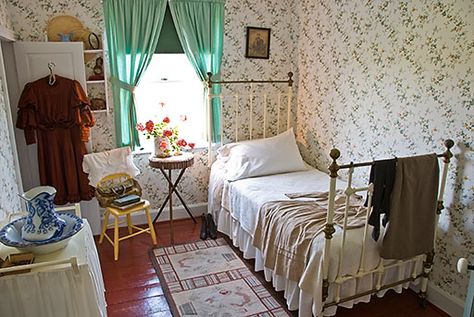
(133, 289)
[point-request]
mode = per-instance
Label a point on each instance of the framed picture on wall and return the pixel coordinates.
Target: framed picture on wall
(258, 43)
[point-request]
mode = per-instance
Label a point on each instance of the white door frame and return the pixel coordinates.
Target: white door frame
(9, 36)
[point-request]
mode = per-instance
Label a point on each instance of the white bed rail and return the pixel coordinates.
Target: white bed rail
(381, 268)
(248, 98)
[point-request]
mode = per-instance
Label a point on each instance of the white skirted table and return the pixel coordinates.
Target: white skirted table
(60, 290)
(179, 162)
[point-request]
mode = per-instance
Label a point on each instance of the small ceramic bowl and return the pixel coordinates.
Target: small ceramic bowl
(10, 235)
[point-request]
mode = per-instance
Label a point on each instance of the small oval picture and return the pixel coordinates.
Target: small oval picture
(94, 41)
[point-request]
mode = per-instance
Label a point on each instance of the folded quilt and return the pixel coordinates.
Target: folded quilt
(286, 229)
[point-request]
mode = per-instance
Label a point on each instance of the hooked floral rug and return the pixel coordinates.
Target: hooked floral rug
(207, 278)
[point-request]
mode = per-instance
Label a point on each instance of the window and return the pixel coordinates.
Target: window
(171, 80)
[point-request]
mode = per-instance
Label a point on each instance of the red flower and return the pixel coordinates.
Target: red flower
(162, 104)
(163, 145)
(166, 120)
(182, 142)
(167, 133)
(140, 127)
(149, 126)
(191, 145)
(183, 117)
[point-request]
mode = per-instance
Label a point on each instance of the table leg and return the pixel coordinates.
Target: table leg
(175, 190)
(184, 205)
(175, 184)
(170, 195)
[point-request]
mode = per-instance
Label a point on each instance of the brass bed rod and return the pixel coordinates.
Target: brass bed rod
(446, 154)
(211, 82)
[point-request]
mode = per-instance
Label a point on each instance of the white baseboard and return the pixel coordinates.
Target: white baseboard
(178, 213)
(446, 302)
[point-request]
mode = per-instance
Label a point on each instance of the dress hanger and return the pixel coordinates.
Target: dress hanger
(52, 76)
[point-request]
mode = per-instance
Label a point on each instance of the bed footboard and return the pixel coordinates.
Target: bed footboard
(379, 271)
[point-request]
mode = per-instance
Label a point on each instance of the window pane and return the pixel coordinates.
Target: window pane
(170, 80)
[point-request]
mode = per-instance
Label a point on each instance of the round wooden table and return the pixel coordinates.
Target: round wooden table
(178, 162)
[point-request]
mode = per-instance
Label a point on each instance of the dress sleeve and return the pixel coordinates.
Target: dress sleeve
(80, 96)
(26, 119)
(84, 116)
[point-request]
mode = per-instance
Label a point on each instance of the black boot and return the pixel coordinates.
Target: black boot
(211, 227)
(204, 227)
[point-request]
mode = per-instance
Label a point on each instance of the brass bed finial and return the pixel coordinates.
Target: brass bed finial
(334, 167)
(448, 143)
(290, 79)
(446, 155)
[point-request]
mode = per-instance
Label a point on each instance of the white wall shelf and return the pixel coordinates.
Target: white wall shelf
(96, 83)
(98, 51)
(92, 82)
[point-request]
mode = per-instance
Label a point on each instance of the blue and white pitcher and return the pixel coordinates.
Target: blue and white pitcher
(42, 222)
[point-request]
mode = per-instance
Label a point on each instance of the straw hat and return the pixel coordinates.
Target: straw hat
(65, 24)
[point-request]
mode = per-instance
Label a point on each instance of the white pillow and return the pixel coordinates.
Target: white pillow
(278, 154)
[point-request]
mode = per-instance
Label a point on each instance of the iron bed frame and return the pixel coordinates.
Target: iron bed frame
(329, 229)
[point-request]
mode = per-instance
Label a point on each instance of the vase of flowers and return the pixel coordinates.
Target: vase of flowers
(166, 137)
(162, 146)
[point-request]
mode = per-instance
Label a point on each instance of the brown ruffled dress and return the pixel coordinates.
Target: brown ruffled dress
(58, 118)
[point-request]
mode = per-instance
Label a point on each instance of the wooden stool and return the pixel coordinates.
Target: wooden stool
(116, 212)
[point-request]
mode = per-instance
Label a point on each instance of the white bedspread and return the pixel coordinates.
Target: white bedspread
(243, 198)
(236, 205)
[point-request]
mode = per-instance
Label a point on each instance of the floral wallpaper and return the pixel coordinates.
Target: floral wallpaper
(5, 19)
(383, 78)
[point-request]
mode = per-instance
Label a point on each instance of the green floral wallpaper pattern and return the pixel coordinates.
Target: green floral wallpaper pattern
(384, 78)
(5, 19)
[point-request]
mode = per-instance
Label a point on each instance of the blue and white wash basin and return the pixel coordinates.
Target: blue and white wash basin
(10, 235)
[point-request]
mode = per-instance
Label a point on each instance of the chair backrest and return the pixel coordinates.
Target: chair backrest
(103, 164)
(113, 178)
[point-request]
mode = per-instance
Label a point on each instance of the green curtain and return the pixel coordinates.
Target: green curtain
(132, 29)
(200, 27)
(168, 43)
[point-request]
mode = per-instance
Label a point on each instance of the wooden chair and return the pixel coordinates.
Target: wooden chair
(127, 212)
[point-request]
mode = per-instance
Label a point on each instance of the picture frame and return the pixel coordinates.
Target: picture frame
(257, 43)
(93, 40)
